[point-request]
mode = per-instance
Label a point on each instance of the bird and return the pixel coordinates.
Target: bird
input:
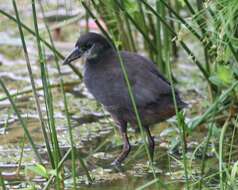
(104, 79)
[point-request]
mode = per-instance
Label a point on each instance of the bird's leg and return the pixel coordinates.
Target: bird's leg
(126, 147)
(151, 142)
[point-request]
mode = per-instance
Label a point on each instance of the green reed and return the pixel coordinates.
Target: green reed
(73, 148)
(48, 101)
(32, 81)
(65, 103)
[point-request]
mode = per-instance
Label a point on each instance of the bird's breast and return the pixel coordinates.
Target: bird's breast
(104, 84)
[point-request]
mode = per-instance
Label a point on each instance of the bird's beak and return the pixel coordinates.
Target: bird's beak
(76, 53)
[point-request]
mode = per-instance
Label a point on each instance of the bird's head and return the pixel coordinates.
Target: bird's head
(91, 45)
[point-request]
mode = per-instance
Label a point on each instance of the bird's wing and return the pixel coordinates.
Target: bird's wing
(148, 85)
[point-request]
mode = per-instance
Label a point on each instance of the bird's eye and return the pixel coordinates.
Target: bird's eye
(86, 46)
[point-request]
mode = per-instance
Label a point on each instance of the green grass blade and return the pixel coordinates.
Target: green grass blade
(73, 156)
(48, 100)
(209, 135)
(60, 164)
(221, 162)
(32, 80)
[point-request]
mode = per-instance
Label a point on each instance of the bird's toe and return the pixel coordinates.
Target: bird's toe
(115, 163)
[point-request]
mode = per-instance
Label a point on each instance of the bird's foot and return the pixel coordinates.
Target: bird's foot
(116, 165)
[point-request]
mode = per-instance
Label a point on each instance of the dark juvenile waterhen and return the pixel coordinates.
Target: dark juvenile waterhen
(104, 78)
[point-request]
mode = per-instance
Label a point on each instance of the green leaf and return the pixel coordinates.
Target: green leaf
(40, 170)
(131, 6)
(182, 2)
(225, 74)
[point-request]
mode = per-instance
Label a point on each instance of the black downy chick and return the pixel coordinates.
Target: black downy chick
(104, 78)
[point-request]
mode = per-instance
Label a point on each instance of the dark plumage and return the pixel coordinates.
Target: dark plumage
(104, 78)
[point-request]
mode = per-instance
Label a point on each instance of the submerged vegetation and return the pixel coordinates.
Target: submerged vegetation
(54, 135)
